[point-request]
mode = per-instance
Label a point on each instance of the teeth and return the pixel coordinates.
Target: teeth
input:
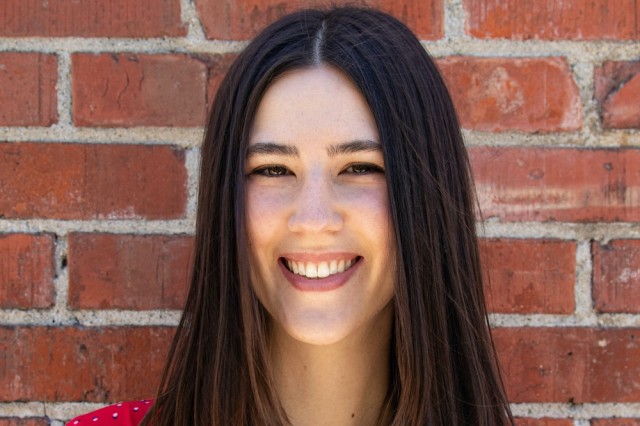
(323, 270)
(319, 270)
(311, 270)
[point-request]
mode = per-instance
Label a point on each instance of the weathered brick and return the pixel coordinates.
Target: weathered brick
(76, 364)
(90, 18)
(615, 422)
(617, 90)
(242, 19)
(543, 422)
(570, 365)
(530, 276)
(218, 65)
(616, 276)
(86, 181)
(553, 19)
(543, 184)
(127, 89)
(28, 89)
(497, 94)
(110, 271)
(26, 271)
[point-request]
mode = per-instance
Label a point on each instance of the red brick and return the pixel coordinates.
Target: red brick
(75, 364)
(530, 276)
(615, 422)
(125, 90)
(543, 422)
(109, 271)
(242, 19)
(26, 271)
(542, 184)
(617, 90)
(24, 422)
(218, 65)
(553, 19)
(28, 96)
(616, 276)
(497, 94)
(90, 18)
(569, 365)
(84, 181)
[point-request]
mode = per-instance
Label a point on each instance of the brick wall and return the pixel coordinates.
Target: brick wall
(101, 107)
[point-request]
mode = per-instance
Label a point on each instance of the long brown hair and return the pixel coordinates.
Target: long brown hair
(443, 369)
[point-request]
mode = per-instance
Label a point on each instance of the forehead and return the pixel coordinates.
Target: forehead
(319, 104)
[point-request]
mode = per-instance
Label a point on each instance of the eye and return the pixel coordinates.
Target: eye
(271, 171)
(363, 169)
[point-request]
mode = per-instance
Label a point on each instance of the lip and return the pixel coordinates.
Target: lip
(329, 283)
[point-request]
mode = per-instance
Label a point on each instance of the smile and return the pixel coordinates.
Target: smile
(319, 269)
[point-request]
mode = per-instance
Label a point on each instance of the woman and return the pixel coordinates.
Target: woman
(336, 277)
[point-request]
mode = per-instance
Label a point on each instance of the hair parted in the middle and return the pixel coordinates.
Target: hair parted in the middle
(443, 369)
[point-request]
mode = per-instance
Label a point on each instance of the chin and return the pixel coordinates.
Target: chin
(318, 331)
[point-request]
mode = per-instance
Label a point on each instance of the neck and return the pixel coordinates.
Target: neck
(345, 383)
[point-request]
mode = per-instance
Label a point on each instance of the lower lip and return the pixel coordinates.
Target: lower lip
(329, 283)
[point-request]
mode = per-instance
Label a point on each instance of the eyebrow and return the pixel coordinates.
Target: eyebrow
(267, 148)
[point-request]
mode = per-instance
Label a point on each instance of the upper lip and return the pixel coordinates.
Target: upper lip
(319, 257)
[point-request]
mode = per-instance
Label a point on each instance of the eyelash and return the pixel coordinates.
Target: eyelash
(280, 171)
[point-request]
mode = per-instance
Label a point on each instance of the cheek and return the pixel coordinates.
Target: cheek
(264, 218)
(369, 206)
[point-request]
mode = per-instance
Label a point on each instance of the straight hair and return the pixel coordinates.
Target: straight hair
(443, 368)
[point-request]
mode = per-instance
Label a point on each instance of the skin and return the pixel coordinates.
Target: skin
(309, 198)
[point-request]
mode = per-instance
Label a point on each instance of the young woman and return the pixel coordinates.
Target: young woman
(336, 277)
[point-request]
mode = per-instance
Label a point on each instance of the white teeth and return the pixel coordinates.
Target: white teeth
(323, 270)
(319, 270)
(311, 270)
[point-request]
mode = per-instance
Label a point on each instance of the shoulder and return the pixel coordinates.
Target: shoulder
(121, 414)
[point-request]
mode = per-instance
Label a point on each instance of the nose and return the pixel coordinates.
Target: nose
(315, 207)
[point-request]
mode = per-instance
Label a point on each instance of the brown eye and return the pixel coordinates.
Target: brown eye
(363, 168)
(271, 171)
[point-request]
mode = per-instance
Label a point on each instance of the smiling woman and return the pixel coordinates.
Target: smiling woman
(319, 201)
(336, 278)
(322, 246)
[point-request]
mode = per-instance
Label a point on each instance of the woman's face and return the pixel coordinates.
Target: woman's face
(320, 237)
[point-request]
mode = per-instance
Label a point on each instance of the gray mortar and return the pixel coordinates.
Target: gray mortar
(584, 268)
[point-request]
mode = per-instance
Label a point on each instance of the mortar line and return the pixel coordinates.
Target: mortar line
(60, 313)
(576, 411)
(192, 165)
(190, 16)
(63, 88)
(599, 232)
(192, 137)
(454, 19)
(584, 270)
(65, 133)
(588, 51)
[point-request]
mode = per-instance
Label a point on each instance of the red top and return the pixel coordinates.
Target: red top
(121, 414)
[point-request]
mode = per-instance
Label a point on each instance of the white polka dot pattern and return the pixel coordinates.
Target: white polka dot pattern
(121, 414)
